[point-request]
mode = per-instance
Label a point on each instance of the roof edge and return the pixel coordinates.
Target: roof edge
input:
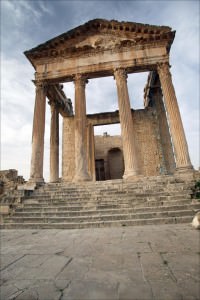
(100, 24)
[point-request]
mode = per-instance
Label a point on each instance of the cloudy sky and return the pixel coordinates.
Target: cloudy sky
(26, 24)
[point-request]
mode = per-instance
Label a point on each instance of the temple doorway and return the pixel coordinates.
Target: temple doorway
(115, 163)
(99, 169)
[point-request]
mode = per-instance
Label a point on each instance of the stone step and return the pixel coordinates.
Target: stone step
(116, 189)
(119, 223)
(115, 204)
(63, 211)
(110, 195)
(111, 201)
(163, 179)
(158, 200)
(119, 186)
(99, 217)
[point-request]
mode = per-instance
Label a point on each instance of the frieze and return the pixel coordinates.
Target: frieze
(124, 49)
(89, 50)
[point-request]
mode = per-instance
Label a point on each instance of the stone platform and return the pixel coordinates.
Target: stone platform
(148, 201)
(140, 262)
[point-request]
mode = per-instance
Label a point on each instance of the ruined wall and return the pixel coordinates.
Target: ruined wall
(167, 150)
(102, 146)
(106, 142)
(148, 134)
(155, 155)
(9, 180)
(148, 141)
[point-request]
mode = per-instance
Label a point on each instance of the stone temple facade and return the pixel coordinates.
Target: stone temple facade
(152, 139)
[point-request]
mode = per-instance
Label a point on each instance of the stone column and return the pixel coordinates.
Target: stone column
(126, 121)
(38, 134)
(91, 151)
(168, 160)
(174, 118)
(81, 166)
(68, 149)
(54, 144)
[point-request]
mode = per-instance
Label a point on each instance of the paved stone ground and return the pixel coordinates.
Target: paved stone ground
(147, 262)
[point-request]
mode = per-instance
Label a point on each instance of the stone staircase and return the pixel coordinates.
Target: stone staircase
(155, 200)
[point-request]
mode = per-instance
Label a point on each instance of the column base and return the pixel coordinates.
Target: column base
(37, 181)
(132, 175)
(185, 173)
(81, 178)
(56, 180)
(184, 168)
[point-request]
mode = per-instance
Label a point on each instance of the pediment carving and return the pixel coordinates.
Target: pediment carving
(100, 35)
(102, 42)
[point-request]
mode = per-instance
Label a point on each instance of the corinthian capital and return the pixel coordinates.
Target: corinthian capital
(54, 105)
(163, 69)
(80, 79)
(40, 85)
(120, 74)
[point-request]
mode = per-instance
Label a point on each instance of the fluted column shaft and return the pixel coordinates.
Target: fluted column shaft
(54, 144)
(81, 167)
(38, 134)
(126, 121)
(174, 118)
(91, 151)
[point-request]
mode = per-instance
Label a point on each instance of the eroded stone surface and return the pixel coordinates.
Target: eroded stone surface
(148, 262)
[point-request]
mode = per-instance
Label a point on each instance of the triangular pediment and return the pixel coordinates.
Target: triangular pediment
(100, 34)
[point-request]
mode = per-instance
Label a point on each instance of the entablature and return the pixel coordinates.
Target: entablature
(105, 118)
(57, 97)
(64, 71)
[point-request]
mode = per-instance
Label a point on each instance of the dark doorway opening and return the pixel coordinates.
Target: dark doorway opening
(116, 163)
(99, 169)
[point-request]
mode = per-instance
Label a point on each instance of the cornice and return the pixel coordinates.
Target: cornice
(140, 33)
(88, 51)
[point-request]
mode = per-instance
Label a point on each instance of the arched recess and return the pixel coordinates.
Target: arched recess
(115, 163)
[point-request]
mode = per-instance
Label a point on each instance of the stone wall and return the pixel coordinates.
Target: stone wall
(148, 141)
(154, 154)
(103, 145)
(165, 138)
(9, 179)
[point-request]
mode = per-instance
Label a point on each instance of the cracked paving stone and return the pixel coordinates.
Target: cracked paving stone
(41, 290)
(119, 264)
(184, 266)
(36, 267)
(6, 291)
(166, 289)
(153, 267)
(8, 259)
(135, 290)
(133, 246)
(76, 269)
(90, 290)
(189, 289)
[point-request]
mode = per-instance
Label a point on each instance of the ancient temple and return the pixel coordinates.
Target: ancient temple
(153, 141)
